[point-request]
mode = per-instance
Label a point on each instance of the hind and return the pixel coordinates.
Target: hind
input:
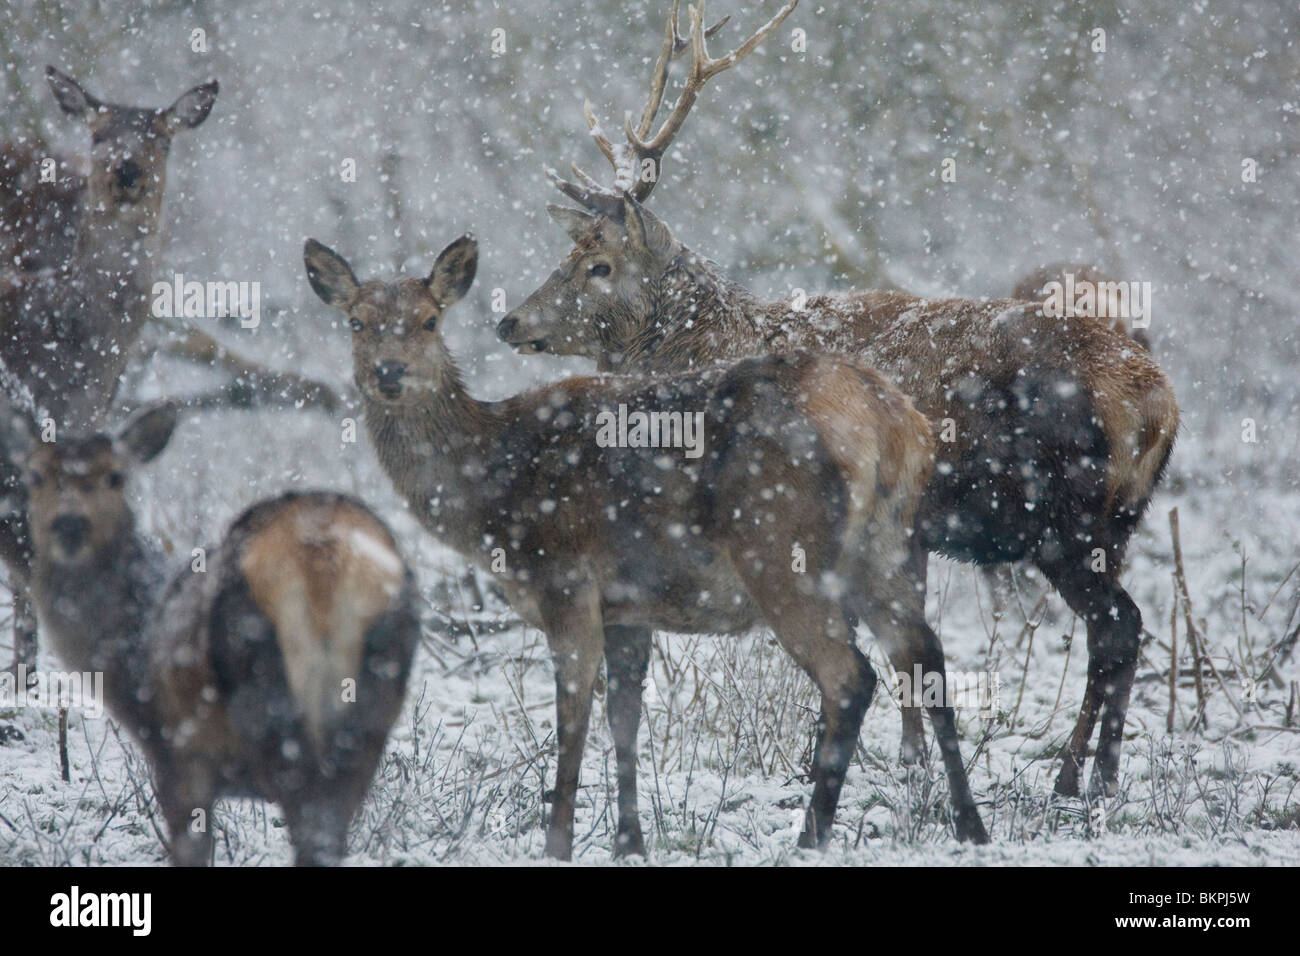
(315, 624)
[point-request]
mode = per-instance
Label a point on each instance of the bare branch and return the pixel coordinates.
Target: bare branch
(252, 385)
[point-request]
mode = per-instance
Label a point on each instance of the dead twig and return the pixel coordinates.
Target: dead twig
(252, 385)
(1194, 644)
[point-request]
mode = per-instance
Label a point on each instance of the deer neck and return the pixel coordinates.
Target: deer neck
(439, 453)
(94, 311)
(97, 620)
(700, 317)
(115, 253)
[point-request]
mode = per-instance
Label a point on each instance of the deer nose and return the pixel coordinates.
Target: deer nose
(389, 375)
(71, 530)
(127, 174)
(506, 328)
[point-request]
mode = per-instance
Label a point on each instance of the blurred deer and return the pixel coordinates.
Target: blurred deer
(72, 328)
(38, 218)
(1051, 436)
(71, 322)
(596, 546)
(276, 672)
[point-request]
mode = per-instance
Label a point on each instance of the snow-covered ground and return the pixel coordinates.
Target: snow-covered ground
(725, 738)
(816, 170)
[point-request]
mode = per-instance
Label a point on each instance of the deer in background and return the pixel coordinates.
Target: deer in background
(70, 331)
(1051, 435)
(38, 220)
(276, 673)
(70, 327)
(602, 545)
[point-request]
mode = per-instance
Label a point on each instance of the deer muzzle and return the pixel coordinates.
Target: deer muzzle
(71, 532)
(388, 377)
(508, 331)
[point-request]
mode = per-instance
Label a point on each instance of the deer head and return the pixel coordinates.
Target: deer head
(76, 488)
(398, 355)
(604, 293)
(129, 145)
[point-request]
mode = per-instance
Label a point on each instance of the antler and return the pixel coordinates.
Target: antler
(628, 159)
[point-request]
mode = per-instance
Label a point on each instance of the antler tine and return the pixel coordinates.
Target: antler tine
(626, 159)
(674, 46)
(594, 198)
(659, 76)
(714, 67)
(598, 134)
(703, 67)
(588, 181)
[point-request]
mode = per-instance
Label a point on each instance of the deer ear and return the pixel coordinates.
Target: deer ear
(330, 275)
(72, 98)
(644, 228)
(573, 221)
(191, 108)
(147, 432)
(453, 273)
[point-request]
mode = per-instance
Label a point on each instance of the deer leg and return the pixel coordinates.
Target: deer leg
(185, 794)
(895, 612)
(15, 552)
(1114, 634)
(912, 749)
(816, 633)
(822, 645)
(24, 628)
(576, 637)
(321, 812)
(1067, 783)
(627, 656)
(896, 625)
(902, 659)
(318, 826)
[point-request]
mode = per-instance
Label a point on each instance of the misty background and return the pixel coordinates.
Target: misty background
(817, 170)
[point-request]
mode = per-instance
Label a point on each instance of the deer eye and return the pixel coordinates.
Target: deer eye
(431, 323)
(34, 479)
(599, 270)
(115, 479)
(357, 325)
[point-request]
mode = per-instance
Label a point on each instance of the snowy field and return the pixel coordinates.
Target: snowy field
(726, 734)
(822, 179)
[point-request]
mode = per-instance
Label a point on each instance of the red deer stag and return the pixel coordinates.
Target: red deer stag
(1051, 434)
(276, 673)
(602, 544)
